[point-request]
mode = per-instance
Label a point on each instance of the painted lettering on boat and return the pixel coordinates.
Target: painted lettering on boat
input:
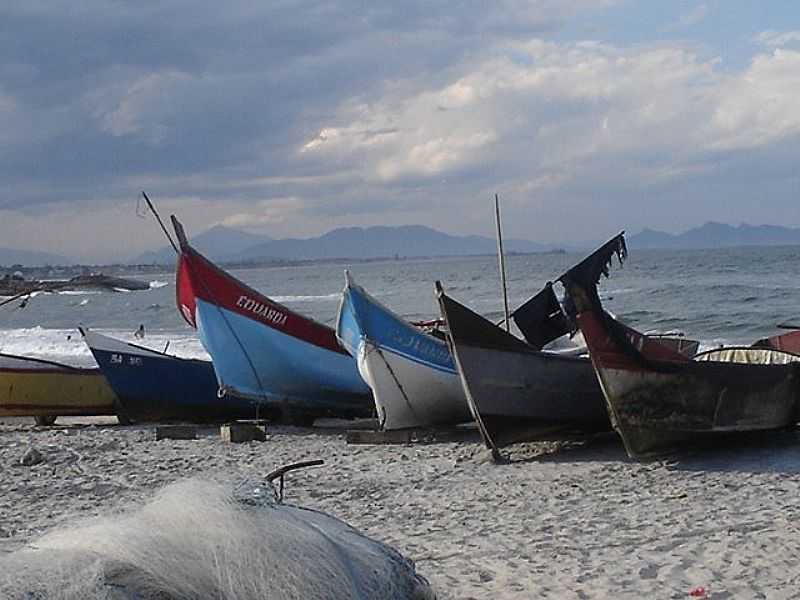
(423, 348)
(264, 311)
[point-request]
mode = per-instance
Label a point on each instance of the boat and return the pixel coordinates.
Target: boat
(15, 285)
(262, 350)
(46, 390)
(661, 400)
(155, 386)
(515, 390)
(410, 372)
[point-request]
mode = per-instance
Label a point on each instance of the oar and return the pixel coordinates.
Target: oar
(787, 326)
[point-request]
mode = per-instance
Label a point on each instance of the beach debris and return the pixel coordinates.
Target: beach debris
(176, 432)
(699, 592)
(31, 457)
(237, 433)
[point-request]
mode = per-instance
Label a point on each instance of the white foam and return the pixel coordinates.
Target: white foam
(335, 296)
(158, 284)
(79, 292)
(67, 345)
(196, 539)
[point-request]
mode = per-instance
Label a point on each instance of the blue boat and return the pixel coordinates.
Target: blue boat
(411, 372)
(155, 386)
(262, 350)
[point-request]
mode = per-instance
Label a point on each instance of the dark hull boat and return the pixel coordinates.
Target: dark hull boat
(155, 386)
(660, 400)
(263, 351)
(513, 389)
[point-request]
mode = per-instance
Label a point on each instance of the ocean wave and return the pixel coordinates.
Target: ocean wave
(79, 292)
(335, 296)
(67, 346)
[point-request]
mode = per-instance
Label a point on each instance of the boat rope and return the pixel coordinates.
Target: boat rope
(377, 349)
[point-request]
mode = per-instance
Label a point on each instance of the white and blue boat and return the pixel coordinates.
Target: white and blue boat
(262, 350)
(411, 373)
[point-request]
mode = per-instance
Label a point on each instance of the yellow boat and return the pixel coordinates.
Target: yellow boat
(45, 390)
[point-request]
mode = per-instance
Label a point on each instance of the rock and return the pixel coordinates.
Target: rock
(31, 457)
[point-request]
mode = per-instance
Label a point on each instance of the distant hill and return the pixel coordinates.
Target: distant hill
(381, 242)
(31, 258)
(717, 235)
(223, 244)
(220, 244)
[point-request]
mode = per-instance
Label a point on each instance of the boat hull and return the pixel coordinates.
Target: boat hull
(515, 394)
(411, 373)
(409, 394)
(514, 390)
(657, 412)
(153, 386)
(661, 400)
(263, 351)
(278, 370)
(33, 388)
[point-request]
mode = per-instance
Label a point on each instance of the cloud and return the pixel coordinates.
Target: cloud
(273, 211)
(777, 39)
(300, 116)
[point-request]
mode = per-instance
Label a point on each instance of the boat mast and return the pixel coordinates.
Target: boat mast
(160, 222)
(501, 260)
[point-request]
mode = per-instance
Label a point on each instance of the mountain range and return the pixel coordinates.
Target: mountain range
(224, 244)
(717, 235)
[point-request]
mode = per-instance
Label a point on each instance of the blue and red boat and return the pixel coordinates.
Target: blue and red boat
(154, 386)
(262, 350)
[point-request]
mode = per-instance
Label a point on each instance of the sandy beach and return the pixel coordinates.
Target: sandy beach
(559, 521)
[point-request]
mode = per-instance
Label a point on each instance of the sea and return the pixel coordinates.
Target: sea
(721, 296)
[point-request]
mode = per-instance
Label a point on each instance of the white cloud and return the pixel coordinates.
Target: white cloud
(139, 105)
(549, 119)
(270, 212)
(759, 106)
(777, 39)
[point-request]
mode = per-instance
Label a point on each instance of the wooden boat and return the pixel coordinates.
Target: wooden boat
(155, 386)
(45, 390)
(514, 389)
(660, 400)
(15, 285)
(263, 351)
(411, 373)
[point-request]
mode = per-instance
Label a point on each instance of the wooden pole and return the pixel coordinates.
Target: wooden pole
(502, 261)
(160, 222)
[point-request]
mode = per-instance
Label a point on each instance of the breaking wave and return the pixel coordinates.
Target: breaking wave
(335, 296)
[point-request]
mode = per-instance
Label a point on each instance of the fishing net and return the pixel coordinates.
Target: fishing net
(198, 539)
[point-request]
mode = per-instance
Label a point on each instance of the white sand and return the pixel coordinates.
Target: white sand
(583, 522)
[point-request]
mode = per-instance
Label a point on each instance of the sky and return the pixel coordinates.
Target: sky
(292, 118)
